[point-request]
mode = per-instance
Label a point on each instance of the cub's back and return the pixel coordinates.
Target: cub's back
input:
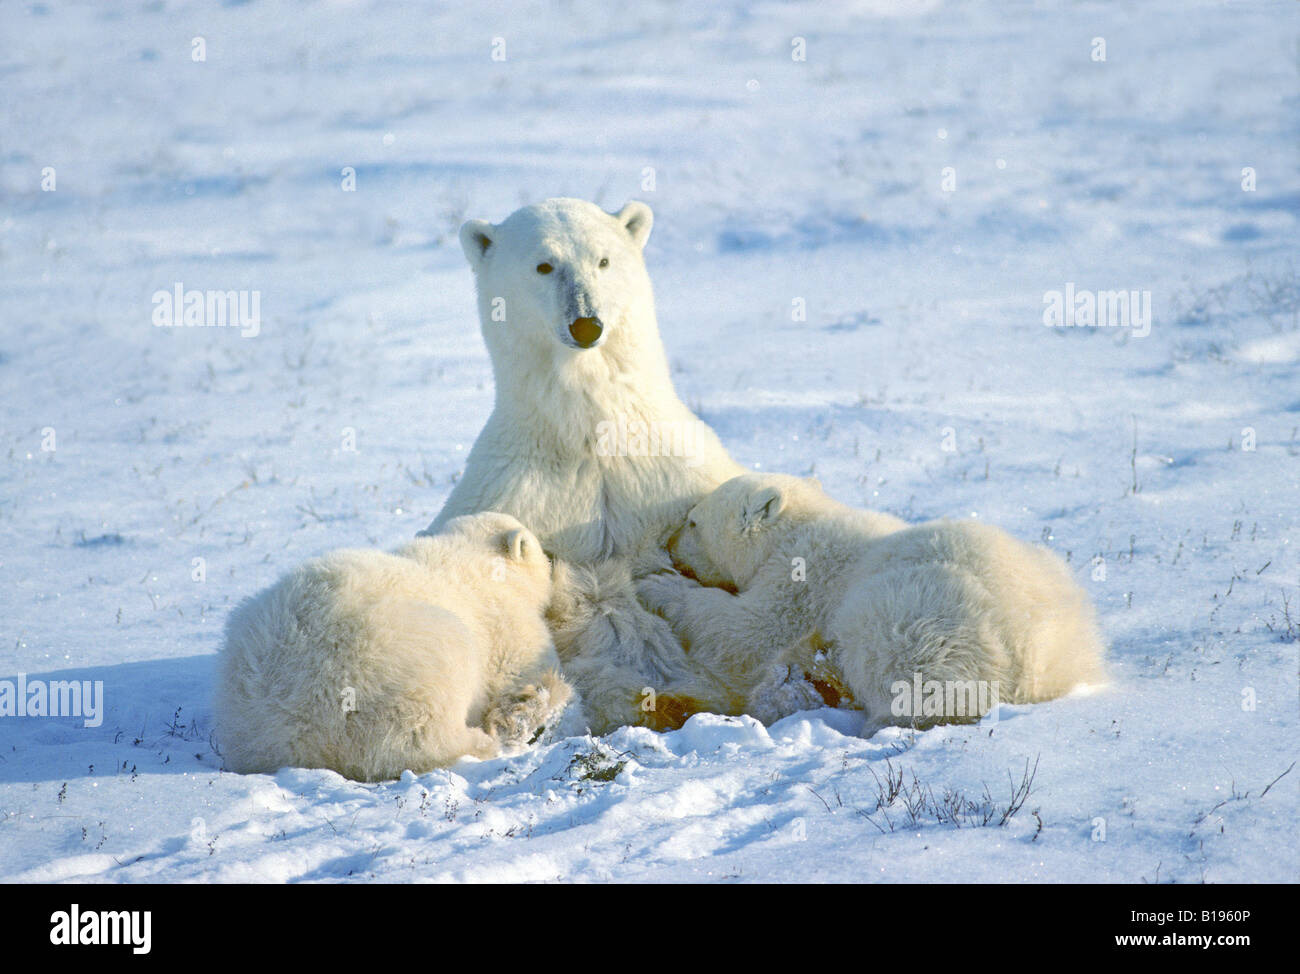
(1044, 618)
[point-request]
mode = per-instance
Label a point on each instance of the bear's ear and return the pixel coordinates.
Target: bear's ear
(814, 482)
(517, 544)
(637, 221)
(762, 507)
(476, 239)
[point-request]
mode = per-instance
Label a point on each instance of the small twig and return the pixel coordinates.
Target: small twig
(1276, 780)
(819, 797)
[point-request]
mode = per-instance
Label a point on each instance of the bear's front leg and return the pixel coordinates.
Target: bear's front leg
(735, 636)
(684, 602)
(712, 624)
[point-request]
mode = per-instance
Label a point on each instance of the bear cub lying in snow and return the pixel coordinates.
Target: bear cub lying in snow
(869, 605)
(370, 664)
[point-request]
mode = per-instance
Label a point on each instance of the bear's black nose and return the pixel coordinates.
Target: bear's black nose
(586, 331)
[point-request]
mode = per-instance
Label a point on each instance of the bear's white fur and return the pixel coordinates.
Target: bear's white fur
(565, 451)
(869, 602)
(370, 663)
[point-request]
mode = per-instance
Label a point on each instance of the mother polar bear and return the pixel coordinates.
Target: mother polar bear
(589, 446)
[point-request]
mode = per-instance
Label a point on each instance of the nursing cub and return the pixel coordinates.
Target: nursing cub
(370, 663)
(874, 606)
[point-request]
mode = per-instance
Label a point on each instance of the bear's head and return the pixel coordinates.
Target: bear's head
(562, 277)
(733, 531)
(513, 557)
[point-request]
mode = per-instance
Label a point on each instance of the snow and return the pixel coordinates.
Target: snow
(1173, 458)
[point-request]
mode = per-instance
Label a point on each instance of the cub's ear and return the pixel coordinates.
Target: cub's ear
(518, 544)
(814, 482)
(637, 221)
(761, 508)
(476, 240)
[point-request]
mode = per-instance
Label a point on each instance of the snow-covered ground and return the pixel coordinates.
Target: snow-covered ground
(923, 381)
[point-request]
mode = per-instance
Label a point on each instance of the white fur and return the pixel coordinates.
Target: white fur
(881, 602)
(370, 663)
(540, 456)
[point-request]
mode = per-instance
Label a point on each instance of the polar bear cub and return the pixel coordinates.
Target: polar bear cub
(908, 621)
(370, 663)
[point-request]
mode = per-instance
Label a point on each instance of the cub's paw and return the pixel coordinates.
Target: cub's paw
(785, 691)
(666, 594)
(651, 560)
(522, 717)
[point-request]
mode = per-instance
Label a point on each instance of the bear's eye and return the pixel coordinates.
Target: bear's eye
(690, 524)
(544, 268)
(604, 262)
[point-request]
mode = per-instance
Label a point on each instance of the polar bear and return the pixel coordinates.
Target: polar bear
(908, 621)
(588, 443)
(370, 663)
